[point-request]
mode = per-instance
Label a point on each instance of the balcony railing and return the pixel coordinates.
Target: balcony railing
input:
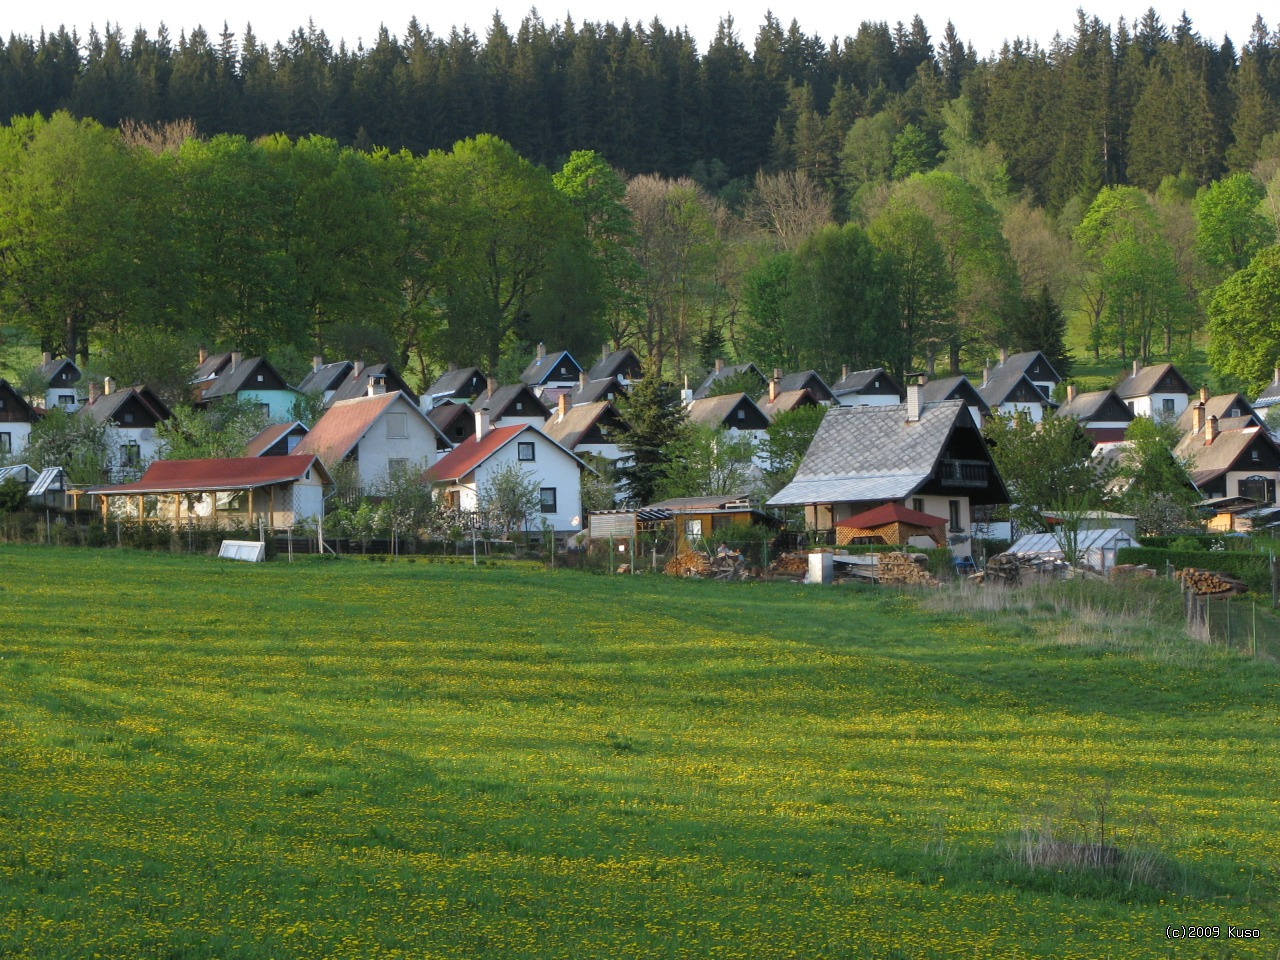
(964, 473)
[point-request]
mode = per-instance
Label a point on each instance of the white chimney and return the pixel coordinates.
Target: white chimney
(317, 363)
(235, 360)
(719, 364)
(482, 423)
(915, 399)
(1004, 355)
(1137, 367)
(377, 385)
(986, 372)
(1276, 376)
(108, 385)
(359, 369)
(46, 358)
(686, 395)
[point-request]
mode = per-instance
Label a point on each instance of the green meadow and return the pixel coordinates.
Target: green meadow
(349, 759)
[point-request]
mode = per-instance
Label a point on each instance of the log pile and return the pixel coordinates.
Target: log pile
(1010, 569)
(730, 566)
(1208, 583)
(791, 565)
(688, 564)
(904, 568)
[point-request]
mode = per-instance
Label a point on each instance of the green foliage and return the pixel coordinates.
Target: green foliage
(912, 152)
(1157, 485)
(786, 442)
(766, 295)
(1231, 227)
(307, 408)
(598, 486)
(222, 429)
(744, 381)
(77, 443)
(925, 287)
(407, 503)
(708, 461)
(13, 496)
(1244, 322)
(509, 498)
(1041, 325)
(1046, 466)
(656, 425)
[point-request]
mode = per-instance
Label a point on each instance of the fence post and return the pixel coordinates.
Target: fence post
(1275, 583)
(611, 563)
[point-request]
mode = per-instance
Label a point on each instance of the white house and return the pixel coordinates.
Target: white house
(16, 417)
(379, 432)
(1007, 390)
(1159, 391)
(1100, 413)
(131, 415)
(61, 375)
(866, 388)
(463, 473)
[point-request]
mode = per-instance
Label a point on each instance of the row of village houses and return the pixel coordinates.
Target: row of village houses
(881, 443)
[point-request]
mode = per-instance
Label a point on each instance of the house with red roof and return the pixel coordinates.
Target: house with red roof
(462, 475)
(228, 492)
(378, 433)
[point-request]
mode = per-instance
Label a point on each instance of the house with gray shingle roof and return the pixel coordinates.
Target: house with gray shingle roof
(805, 380)
(1231, 409)
(250, 379)
(874, 387)
(1102, 415)
(622, 365)
(721, 371)
(1155, 391)
(61, 375)
(514, 403)
(1006, 390)
(16, 418)
(1034, 365)
(593, 391)
(364, 377)
(587, 428)
(957, 388)
(1232, 463)
(132, 414)
(928, 457)
(549, 370)
(455, 384)
(324, 378)
(1270, 394)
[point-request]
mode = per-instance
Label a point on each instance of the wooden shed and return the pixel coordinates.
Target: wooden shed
(891, 523)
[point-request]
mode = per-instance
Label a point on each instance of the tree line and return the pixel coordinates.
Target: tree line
(1128, 103)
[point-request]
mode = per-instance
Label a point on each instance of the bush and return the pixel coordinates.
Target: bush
(1252, 568)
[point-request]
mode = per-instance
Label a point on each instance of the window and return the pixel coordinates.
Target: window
(1, 403)
(1254, 455)
(917, 505)
(128, 418)
(259, 378)
(742, 414)
(519, 404)
(290, 442)
(955, 516)
(265, 408)
(693, 530)
(66, 399)
(233, 502)
(397, 426)
(397, 467)
(1129, 404)
(525, 451)
(1235, 411)
(548, 498)
(877, 384)
(130, 455)
(6, 443)
(1258, 489)
(1167, 405)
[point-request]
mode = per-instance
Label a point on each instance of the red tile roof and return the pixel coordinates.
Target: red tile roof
(227, 473)
(470, 453)
(891, 513)
(342, 426)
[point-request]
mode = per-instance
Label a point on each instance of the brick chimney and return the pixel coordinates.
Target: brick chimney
(491, 383)
(203, 355)
(95, 390)
(1204, 394)
(316, 363)
(108, 386)
(1210, 431)
(774, 382)
(46, 358)
(844, 371)
(542, 351)
(1004, 355)
(604, 352)
(1071, 392)
(583, 379)
(719, 364)
(482, 423)
(562, 406)
(1197, 417)
(1276, 377)
(915, 398)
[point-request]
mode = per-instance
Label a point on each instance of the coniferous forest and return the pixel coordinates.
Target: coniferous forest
(885, 198)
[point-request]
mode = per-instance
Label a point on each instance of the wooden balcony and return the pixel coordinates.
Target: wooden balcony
(964, 473)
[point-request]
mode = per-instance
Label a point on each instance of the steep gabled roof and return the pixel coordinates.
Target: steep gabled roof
(1220, 407)
(596, 390)
(720, 412)
(221, 474)
(857, 381)
(787, 400)
(891, 513)
(458, 384)
(620, 363)
(1208, 462)
(105, 407)
(463, 459)
(53, 367)
(270, 435)
(356, 383)
(549, 367)
(447, 417)
(1027, 362)
(1002, 387)
(1089, 406)
(501, 403)
(244, 377)
(578, 421)
(337, 432)
(955, 388)
(807, 380)
(327, 377)
(212, 366)
(21, 412)
(725, 372)
(1145, 381)
(875, 453)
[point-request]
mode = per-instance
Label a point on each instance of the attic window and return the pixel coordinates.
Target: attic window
(1254, 455)
(742, 414)
(397, 426)
(259, 378)
(877, 384)
(1, 403)
(1035, 369)
(562, 372)
(1235, 411)
(128, 418)
(519, 404)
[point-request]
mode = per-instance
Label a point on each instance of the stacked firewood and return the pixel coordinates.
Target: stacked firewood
(729, 566)
(1210, 583)
(1003, 568)
(904, 568)
(688, 564)
(791, 565)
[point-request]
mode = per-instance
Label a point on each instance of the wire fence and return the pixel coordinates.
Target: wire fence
(1243, 623)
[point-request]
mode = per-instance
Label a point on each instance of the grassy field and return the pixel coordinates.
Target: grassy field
(350, 759)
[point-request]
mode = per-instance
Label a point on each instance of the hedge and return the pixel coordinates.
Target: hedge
(1205, 541)
(1253, 568)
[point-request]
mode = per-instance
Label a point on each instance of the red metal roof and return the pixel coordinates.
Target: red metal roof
(227, 473)
(343, 425)
(891, 513)
(469, 454)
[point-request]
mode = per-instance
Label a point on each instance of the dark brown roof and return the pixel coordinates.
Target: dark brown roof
(1146, 380)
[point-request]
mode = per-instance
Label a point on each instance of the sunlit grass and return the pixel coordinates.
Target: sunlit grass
(349, 759)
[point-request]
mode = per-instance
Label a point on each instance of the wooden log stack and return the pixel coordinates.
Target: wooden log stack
(904, 568)
(1209, 583)
(688, 564)
(791, 565)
